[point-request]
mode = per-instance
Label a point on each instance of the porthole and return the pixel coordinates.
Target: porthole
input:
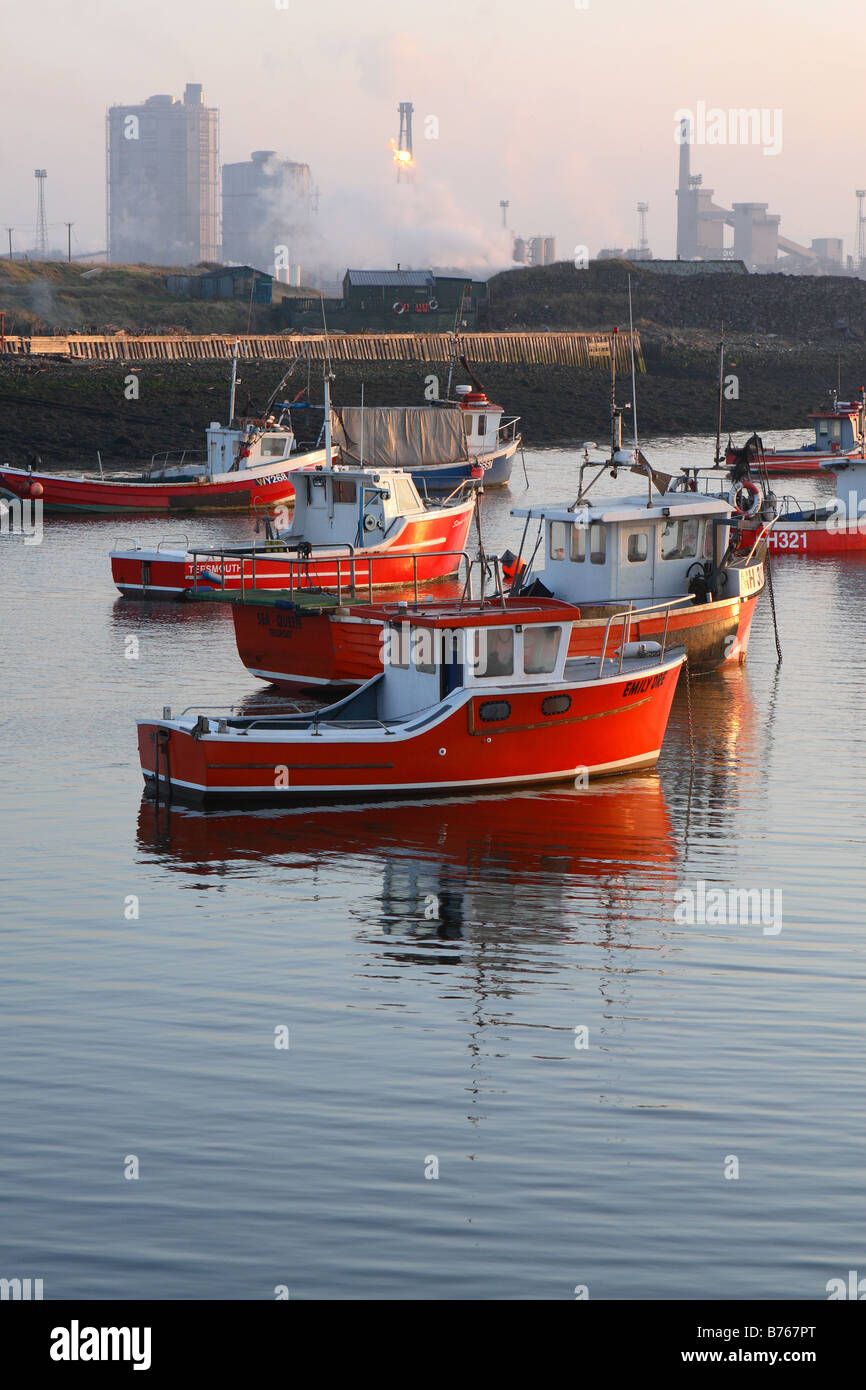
(555, 704)
(494, 709)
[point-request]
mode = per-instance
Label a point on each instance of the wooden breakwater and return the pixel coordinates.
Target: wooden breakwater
(584, 350)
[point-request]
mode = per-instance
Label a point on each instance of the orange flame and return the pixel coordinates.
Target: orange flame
(402, 157)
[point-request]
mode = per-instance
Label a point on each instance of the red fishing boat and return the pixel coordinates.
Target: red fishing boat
(668, 565)
(810, 528)
(351, 528)
(839, 433)
(245, 468)
(472, 695)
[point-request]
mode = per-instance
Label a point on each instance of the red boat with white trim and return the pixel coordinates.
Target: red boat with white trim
(839, 433)
(669, 562)
(351, 527)
(245, 468)
(472, 695)
(808, 528)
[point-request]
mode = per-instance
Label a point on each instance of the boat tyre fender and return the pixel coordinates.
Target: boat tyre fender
(745, 498)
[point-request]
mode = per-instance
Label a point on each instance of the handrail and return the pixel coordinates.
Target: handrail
(299, 569)
(632, 614)
(173, 540)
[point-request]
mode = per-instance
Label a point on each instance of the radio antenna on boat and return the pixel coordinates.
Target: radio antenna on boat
(362, 425)
(633, 378)
(328, 374)
(718, 458)
(234, 383)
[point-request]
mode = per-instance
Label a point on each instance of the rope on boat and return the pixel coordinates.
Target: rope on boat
(773, 607)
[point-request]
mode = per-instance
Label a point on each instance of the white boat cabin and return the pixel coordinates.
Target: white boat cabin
(429, 653)
(252, 445)
(481, 420)
(350, 506)
(623, 550)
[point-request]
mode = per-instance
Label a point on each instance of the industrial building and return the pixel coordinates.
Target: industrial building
(534, 250)
(757, 241)
(163, 180)
(267, 209)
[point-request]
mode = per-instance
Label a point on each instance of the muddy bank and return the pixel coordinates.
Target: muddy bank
(65, 411)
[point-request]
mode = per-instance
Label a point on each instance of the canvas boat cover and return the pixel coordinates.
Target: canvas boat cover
(400, 436)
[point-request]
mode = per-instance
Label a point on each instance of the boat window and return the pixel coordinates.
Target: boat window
(273, 445)
(405, 495)
(555, 704)
(345, 490)
(315, 490)
(540, 649)
(494, 709)
(557, 540)
(398, 645)
(482, 424)
(578, 542)
(494, 651)
(822, 426)
(708, 541)
(638, 547)
(836, 430)
(680, 538)
(597, 543)
(423, 657)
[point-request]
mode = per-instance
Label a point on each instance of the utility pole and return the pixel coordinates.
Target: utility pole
(9, 231)
(69, 226)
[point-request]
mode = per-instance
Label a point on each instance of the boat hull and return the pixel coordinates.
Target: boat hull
(297, 650)
(797, 460)
(493, 468)
(243, 491)
(612, 725)
(806, 537)
(433, 537)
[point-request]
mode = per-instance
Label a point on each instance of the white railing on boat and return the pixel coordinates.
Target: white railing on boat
(298, 579)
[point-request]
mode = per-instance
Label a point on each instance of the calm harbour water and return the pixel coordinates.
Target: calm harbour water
(558, 1165)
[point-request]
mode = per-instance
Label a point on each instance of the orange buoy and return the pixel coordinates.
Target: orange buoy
(35, 489)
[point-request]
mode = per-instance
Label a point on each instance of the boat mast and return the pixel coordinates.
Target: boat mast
(633, 379)
(718, 458)
(362, 424)
(615, 413)
(234, 383)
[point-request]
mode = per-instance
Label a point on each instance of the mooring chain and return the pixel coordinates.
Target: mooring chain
(769, 573)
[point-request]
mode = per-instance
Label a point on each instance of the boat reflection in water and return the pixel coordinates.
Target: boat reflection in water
(453, 868)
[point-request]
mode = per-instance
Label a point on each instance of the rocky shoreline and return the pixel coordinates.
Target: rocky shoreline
(64, 412)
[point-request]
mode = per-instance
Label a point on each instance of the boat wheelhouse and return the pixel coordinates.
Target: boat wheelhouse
(472, 695)
(351, 527)
(667, 561)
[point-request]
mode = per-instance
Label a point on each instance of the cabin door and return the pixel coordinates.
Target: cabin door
(636, 561)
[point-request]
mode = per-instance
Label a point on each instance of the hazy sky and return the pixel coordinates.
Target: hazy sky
(568, 112)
